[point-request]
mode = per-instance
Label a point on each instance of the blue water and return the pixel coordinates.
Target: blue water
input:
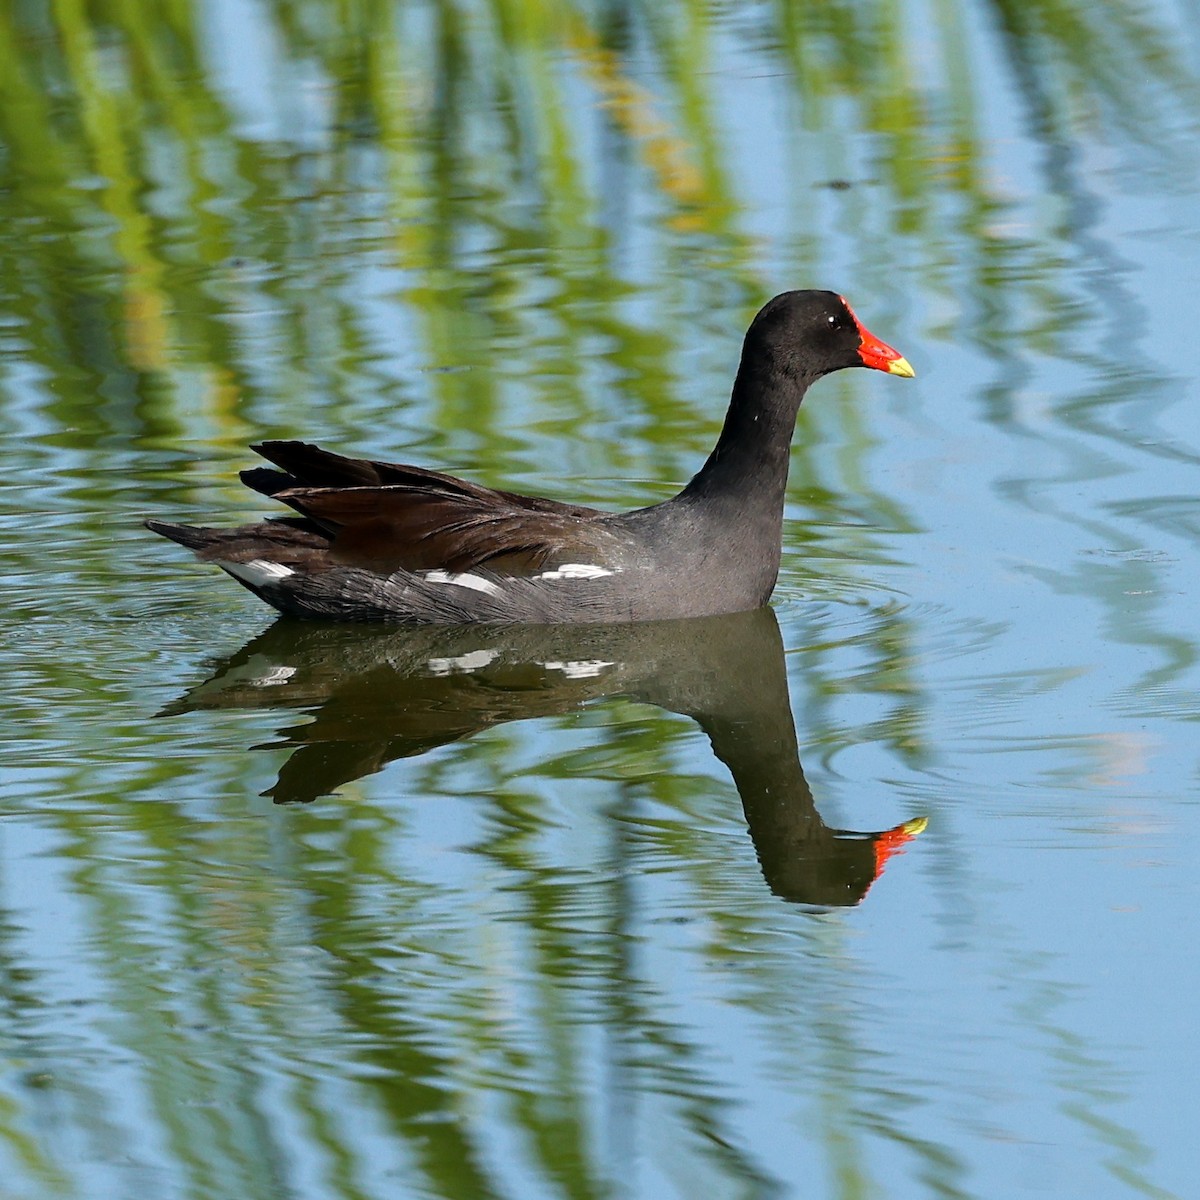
(540, 947)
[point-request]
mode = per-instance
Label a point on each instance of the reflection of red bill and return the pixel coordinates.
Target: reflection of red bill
(893, 840)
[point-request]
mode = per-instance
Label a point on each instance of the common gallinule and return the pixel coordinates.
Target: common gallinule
(383, 541)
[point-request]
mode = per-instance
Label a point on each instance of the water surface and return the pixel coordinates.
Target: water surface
(886, 893)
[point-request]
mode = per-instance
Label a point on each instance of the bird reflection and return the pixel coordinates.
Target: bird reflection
(374, 694)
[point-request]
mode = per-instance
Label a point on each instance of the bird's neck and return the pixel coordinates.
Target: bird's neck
(749, 464)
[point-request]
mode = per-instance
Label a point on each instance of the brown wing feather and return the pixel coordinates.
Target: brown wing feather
(307, 466)
(385, 516)
(392, 527)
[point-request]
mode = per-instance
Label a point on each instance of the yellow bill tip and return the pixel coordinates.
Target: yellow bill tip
(901, 366)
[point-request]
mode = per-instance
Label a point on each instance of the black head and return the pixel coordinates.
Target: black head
(808, 334)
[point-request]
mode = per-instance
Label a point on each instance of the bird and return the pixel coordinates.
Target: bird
(380, 541)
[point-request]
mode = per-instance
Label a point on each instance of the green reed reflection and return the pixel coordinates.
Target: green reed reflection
(430, 133)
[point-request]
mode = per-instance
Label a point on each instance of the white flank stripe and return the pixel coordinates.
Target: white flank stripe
(463, 662)
(258, 572)
(475, 582)
(579, 668)
(575, 571)
(274, 677)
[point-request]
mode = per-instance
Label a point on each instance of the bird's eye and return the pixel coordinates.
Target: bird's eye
(833, 322)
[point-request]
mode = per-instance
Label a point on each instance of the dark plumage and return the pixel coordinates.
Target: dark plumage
(385, 541)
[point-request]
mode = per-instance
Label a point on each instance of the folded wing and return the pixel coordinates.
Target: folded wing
(388, 516)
